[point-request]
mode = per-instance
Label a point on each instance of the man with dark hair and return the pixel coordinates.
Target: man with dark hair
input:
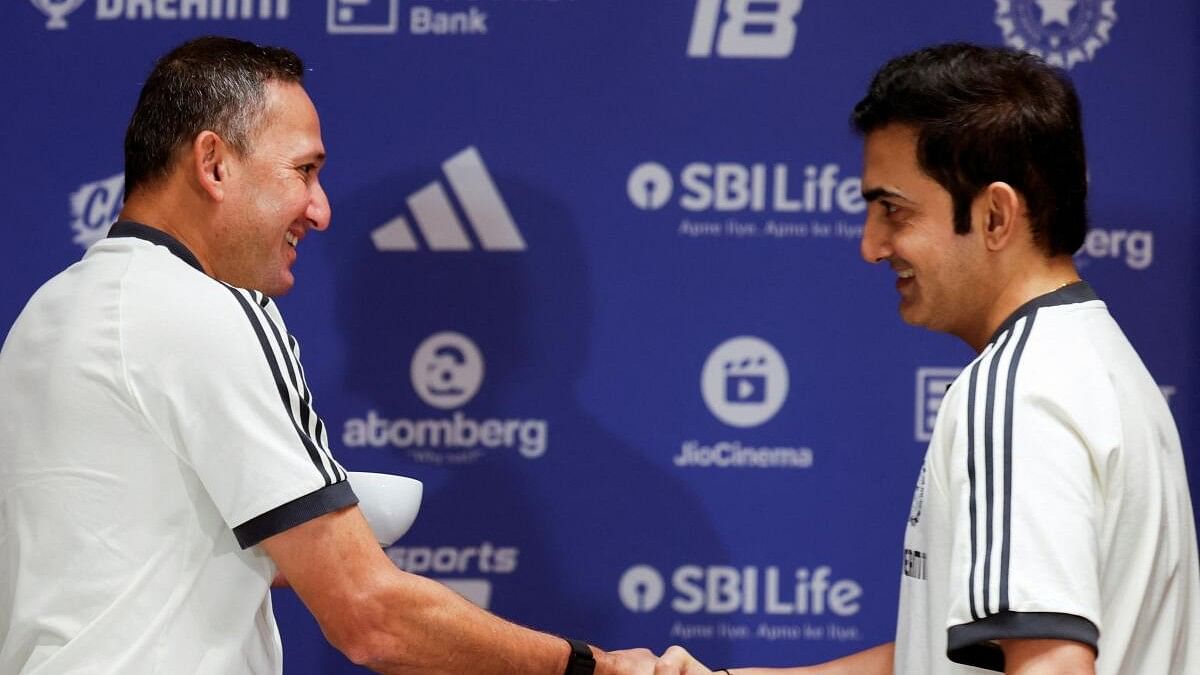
(162, 461)
(1051, 529)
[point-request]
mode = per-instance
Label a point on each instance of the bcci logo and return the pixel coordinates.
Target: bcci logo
(1063, 32)
(447, 370)
(95, 207)
(744, 382)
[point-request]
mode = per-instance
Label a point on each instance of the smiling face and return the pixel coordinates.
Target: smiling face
(941, 275)
(273, 196)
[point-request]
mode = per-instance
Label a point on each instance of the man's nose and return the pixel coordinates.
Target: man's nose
(874, 247)
(319, 213)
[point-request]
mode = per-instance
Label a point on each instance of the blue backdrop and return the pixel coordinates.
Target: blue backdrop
(593, 276)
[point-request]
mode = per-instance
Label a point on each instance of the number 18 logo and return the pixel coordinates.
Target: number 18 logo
(766, 31)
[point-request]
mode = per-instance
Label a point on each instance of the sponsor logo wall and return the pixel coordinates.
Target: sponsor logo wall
(593, 272)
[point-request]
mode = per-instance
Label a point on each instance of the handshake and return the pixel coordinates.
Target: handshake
(674, 661)
(878, 660)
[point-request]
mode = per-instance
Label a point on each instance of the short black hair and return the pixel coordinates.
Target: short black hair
(209, 83)
(985, 114)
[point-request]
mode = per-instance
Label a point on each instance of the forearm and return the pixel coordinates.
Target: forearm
(874, 661)
(1047, 657)
(419, 626)
(395, 622)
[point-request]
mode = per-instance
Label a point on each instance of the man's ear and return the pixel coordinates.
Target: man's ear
(1000, 211)
(210, 163)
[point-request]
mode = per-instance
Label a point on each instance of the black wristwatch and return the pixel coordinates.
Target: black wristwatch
(581, 661)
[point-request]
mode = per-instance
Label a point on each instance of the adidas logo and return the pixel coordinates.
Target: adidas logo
(438, 222)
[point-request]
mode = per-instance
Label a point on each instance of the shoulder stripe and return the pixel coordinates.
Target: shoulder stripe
(313, 423)
(990, 453)
(257, 324)
(300, 398)
(1006, 550)
(989, 470)
(971, 480)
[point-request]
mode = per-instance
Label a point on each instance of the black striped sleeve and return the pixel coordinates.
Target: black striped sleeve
(284, 373)
(301, 510)
(991, 500)
(973, 644)
(995, 381)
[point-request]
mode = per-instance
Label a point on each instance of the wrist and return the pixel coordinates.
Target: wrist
(581, 660)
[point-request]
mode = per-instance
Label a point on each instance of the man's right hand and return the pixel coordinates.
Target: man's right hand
(626, 662)
(677, 661)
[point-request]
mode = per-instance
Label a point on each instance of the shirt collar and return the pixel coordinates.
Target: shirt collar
(129, 228)
(1070, 294)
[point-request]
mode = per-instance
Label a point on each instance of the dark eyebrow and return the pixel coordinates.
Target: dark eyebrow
(875, 194)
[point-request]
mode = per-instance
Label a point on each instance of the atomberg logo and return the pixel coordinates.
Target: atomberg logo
(744, 29)
(171, 10)
(439, 225)
(1133, 247)
(95, 207)
(1063, 32)
(446, 372)
(744, 383)
(470, 562)
(813, 202)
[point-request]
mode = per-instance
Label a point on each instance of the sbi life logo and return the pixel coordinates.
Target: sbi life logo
(759, 187)
(723, 589)
(446, 372)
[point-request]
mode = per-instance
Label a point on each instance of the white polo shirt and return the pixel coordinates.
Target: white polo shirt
(155, 426)
(1053, 503)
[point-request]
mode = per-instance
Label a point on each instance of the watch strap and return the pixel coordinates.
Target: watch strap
(581, 660)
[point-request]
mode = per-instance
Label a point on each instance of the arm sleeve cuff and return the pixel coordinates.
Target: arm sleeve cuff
(301, 510)
(972, 643)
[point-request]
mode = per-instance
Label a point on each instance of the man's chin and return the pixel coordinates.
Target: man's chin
(280, 290)
(277, 287)
(910, 314)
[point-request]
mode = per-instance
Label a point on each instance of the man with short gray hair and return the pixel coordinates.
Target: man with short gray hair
(161, 461)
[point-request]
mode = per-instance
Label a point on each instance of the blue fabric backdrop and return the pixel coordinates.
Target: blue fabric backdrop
(552, 218)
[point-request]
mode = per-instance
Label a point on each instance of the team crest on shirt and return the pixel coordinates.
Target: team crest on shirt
(918, 500)
(1063, 32)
